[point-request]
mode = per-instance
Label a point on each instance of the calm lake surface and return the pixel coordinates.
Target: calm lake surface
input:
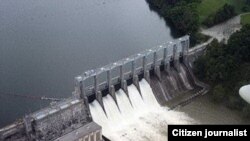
(45, 44)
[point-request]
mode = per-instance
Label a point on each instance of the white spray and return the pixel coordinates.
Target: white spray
(138, 117)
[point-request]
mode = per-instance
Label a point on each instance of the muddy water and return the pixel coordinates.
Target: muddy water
(204, 111)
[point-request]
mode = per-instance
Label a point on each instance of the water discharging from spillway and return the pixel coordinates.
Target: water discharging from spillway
(137, 117)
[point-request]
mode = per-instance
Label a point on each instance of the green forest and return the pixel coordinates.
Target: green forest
(181, 15)
(226, 67)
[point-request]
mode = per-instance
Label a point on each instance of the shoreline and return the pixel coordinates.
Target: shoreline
(205, 111)
(224, 30)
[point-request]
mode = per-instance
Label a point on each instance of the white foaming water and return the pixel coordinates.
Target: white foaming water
(96, 112)
(136, 99)
(112, 111)
(146, 120)
(147, 94)
(125, 106)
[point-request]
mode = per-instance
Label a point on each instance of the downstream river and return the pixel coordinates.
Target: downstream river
(45, 44)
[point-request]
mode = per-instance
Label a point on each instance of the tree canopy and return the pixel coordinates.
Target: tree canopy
(226, 67)
(223, 14)
(182, 15)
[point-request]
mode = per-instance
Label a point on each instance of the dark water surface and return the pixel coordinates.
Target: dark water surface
(45, 44)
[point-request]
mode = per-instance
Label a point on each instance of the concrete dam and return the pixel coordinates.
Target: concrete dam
(109, 98)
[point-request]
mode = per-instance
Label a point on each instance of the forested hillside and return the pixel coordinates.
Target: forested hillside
(226, 67)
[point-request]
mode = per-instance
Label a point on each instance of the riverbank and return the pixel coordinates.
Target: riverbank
(224, 30)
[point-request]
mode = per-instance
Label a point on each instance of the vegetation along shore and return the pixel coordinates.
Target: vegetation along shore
(226, 65)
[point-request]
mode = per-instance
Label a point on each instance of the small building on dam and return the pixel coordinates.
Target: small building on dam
(166, 68)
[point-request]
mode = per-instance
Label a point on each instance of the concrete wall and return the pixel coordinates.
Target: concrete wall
(58, 119)
(50, 122)
(91, 82)
(88, 132)
(15, 131)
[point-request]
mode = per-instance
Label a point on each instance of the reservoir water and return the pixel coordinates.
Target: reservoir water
(45, 44)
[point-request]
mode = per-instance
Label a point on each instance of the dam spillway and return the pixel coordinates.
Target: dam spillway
(125, 112)
(161, 60)
(167, 66)
(124, 91)
(143, 119)
(130, 99)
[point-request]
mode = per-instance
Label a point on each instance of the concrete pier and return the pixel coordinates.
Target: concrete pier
(176, 57)
(144, 65)
(96, 89)
(147, 76)
(156, 67)
(109, 80)
(161, 56)
(185, 47)
(112, 93)
(136, 83)
(78, 87)
(81, 94)
(133, 68)
(125, 86)
(121, 75)
(155, 59)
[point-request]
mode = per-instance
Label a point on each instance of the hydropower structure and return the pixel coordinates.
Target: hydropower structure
(108, 98)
